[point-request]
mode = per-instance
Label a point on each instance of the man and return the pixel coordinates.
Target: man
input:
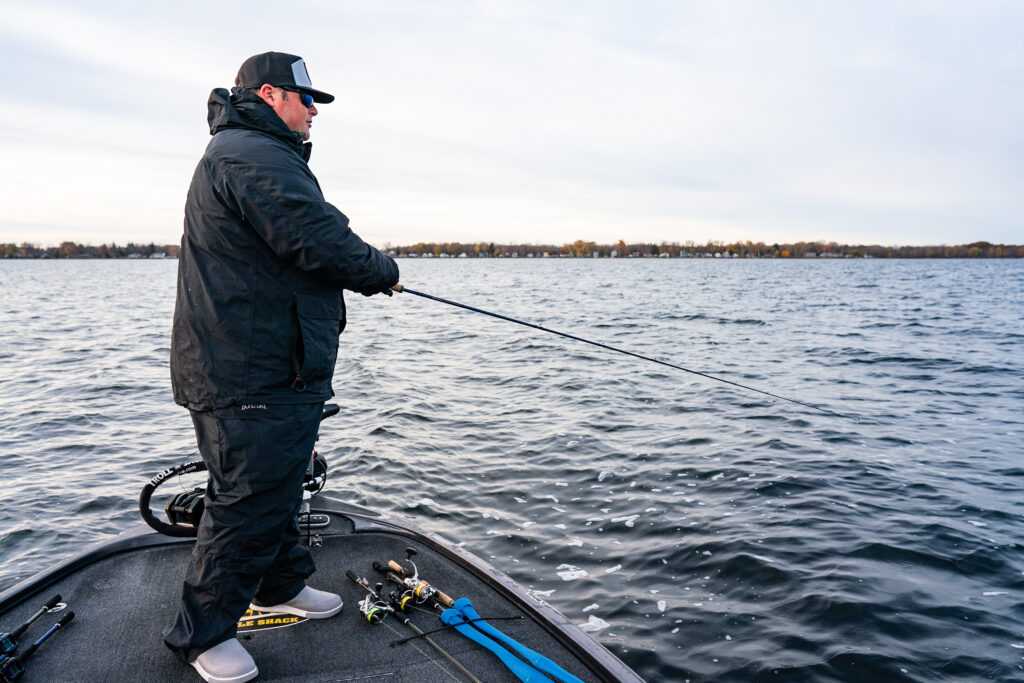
(263, 262)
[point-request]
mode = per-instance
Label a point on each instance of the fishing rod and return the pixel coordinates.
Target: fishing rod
(374, 609)
(401, 288)
(9, 641)
(460, 614)
(13, 668)
(422, 591)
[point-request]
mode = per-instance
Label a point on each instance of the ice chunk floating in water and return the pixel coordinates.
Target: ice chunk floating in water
(569, 572)
(594, 624)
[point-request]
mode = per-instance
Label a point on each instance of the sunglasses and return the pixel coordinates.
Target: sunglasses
(306, 98)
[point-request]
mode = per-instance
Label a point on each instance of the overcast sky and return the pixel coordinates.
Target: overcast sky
(543, 122)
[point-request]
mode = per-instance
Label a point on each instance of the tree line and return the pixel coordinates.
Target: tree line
(577, 249)
(713, 248)
(75, 250)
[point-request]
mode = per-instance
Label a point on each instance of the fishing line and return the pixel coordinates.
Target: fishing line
(400, 288)
(436, 662)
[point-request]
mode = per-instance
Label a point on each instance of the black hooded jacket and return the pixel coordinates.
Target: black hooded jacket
(263, 263)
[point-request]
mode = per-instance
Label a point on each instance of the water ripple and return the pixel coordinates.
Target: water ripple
(698, 531)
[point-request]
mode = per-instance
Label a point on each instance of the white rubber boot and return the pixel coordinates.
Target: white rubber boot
(309, 603)
(227, 662)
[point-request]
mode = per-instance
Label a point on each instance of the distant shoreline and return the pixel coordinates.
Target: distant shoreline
(577, 249)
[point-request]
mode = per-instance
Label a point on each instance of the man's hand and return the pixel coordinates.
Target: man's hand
(386, 290)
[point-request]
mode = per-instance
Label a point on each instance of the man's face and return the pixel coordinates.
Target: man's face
(292, 111)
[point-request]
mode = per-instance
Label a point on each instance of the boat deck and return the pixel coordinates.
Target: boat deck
(125, 592)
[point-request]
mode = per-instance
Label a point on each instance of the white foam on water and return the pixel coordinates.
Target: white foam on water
(594, 624)
(604, 475)
(518, 499)
(630, 520)
(971, 521)
(994, 593)
(575, 542)
(662, 605)
(614, 569)
(591, 607)
(559, 526)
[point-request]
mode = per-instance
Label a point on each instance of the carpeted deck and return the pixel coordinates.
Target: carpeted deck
(123, 602)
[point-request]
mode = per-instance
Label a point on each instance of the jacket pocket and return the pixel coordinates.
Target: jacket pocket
(319, 319)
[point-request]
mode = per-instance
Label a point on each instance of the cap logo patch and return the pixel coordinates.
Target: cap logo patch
(300, 74)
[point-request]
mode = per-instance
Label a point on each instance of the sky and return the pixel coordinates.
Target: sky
(522, 121)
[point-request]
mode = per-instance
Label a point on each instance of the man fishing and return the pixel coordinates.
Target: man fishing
(263, 262)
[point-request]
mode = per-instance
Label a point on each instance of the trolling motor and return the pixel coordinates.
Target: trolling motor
(185, 509)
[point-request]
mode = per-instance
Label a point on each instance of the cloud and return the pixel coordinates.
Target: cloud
(537, 121)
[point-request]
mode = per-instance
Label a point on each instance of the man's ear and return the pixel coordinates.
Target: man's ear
(267, 93)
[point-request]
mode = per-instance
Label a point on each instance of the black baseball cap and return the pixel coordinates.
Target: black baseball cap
(279, 69)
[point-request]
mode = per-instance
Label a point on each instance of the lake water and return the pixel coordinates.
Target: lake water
(699, 531)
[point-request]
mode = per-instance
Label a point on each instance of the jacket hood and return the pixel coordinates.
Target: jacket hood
(243, 109)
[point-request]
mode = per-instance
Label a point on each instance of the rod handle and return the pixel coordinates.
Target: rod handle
(397, 288)
(443, 599)
(395, 567)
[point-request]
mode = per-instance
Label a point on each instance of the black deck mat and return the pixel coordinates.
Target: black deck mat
(122, 603)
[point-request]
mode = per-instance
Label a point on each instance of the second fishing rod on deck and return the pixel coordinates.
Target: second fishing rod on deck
(401, 288)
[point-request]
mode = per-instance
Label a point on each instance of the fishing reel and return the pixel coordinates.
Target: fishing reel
(404, 601)
(373, 607)
(416, 589)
